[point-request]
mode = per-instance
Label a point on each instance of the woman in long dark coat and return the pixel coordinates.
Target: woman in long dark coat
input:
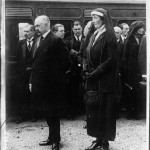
(131, 68)
(101, 75)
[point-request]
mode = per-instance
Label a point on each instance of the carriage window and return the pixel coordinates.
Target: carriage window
(129, 22)
(128, 13)
(63, 12)
(87, 13)
(85, 23)
(14, 34)
(19, 12)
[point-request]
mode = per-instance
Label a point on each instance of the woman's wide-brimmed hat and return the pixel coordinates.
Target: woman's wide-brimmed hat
(135, 26)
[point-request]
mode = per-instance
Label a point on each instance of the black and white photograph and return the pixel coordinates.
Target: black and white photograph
(74, 75)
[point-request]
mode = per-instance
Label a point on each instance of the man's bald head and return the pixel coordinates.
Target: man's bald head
(118, 31)
(42, 24)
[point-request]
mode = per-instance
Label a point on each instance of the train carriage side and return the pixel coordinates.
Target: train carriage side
(20, 12)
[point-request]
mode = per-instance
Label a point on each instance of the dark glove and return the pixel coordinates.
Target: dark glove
(86, 75)
(140, 77)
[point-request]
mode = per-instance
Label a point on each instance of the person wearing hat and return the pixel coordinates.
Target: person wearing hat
(131, 69)
(101, 76)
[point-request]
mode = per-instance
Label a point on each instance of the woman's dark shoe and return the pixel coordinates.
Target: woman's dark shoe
(55, 146)
(95, 145)
(105, 145)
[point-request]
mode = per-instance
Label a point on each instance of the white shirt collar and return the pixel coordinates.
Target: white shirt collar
(123, 37)
(30, 39)
(80, 37)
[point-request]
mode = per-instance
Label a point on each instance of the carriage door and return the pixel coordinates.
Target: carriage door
(14, 33)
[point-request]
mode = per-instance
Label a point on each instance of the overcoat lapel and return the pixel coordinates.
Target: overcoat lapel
(98, 40)
(43, 45)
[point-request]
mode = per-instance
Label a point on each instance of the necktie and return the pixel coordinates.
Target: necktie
(124, 39)
(29, 45)
(78, 39)
(93, 37)
(41, 40)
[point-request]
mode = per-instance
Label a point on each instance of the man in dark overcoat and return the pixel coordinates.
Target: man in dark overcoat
(125, 29)
(47, 78)
(74, 98)
(24, 57)
(120, 85)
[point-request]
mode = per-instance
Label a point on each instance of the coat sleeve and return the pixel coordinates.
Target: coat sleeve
(63, 56)
(110, 61)
(18, 58)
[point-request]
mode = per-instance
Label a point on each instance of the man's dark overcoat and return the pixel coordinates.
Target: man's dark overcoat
(101, 119)
(75, 45)
(24, 58)
(48, 74)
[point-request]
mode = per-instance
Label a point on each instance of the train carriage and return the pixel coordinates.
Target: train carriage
(18, 12)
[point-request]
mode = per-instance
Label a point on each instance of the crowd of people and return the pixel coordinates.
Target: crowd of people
(55, 73)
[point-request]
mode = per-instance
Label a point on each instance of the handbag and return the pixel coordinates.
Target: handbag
(91, 97)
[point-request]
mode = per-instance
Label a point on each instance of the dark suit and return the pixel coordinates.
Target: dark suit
(120, 83)
(48, 81)
(24, 57)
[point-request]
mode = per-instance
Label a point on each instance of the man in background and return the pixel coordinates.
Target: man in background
(75, 79)
(25, 56)
(120, 46)
(48, 78)
(125, 29)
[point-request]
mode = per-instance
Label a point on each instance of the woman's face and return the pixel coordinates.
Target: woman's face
(140, 31)
(97, 21)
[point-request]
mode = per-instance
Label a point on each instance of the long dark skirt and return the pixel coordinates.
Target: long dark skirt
(101, 119)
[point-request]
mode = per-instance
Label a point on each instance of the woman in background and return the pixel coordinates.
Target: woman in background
(131, 68)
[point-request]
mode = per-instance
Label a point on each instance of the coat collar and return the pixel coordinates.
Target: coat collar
(43, 45)
(99, 39)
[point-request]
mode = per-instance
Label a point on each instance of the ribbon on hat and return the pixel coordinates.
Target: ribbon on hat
(97, 13)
